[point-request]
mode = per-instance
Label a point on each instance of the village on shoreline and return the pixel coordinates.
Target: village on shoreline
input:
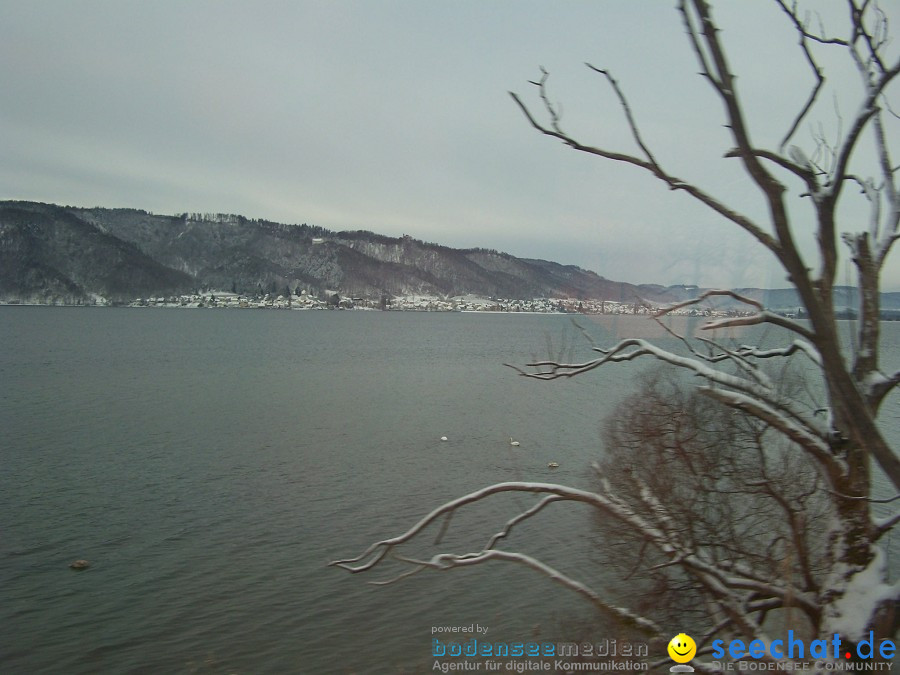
(408, 303)
(426, 303)
(420, 303)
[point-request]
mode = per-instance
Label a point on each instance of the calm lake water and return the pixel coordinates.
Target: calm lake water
(210, 463)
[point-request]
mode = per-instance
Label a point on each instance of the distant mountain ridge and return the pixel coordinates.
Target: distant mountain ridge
(63, 254)
(72, 255)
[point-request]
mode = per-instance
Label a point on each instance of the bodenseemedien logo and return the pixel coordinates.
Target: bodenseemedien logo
(682, 649)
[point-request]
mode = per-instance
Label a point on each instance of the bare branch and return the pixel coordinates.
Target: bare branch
(754, 398)
(806, 171)
(537, 508)
(810, 442)
(863, 498)
(884, 526)
(880, 386)
(795, 520)
(867, 110)
(758, 319)
(873, 42)
(777, 565)
(377, 551)
(724, 84)
(623, 102)
(889, 234)
(801, 346)
(447, 561)
(548, 105)
(887, 106)
(710, 294)
(609, 504)
(404, 575)
(741, 358)
(817, 71)
(673, 182)
(762, 316)
(801, 28)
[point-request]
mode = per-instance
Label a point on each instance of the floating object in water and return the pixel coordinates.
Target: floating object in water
(443, 438)
(553, 465)
(80, 565)
(513, 443)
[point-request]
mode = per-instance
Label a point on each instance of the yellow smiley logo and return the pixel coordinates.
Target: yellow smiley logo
(682, 648)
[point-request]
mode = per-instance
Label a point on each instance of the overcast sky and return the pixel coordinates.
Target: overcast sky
(394, 116)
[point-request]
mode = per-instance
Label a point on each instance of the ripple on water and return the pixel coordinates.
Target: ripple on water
(210, 464)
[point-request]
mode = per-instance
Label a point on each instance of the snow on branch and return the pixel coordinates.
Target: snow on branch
(750, 351)
(377, 552)
(885, 525)
(447, 561)
(876, 386)
(380, 549)
(774, 407)
(875, 83)
(723, 354)
(757, 319)
(709, 294)
(812, 443)
(745, 353)
(761, 316)
(728, 581)
(546, 501)
(738, 594)
(743, 357)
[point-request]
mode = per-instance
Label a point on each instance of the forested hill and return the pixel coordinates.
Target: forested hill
(52, 253)
(69, 255)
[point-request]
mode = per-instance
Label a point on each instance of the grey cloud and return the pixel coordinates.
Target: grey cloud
(392, 116)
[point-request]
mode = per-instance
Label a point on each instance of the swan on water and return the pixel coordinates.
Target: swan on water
(512, 442)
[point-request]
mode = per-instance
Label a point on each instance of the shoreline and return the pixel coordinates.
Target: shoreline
(887, 316)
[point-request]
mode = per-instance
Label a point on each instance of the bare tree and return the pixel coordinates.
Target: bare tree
(844, 587)
(728, 484)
